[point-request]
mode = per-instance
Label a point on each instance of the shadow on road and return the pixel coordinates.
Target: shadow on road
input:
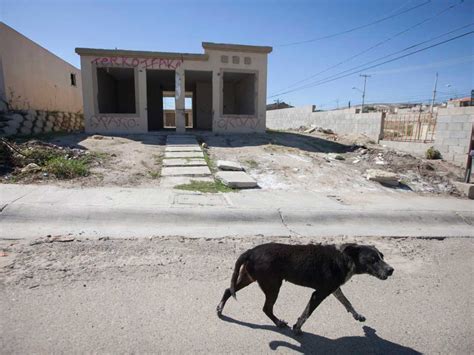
(312, 343)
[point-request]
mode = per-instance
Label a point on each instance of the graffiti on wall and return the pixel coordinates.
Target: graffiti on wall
(107, 122)
(238, 122)
(141, 63)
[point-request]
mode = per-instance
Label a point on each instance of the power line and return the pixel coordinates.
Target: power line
(333, 78)
(377, 44)
(355, 28)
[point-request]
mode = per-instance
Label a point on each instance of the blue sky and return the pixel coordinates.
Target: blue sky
(181, 26)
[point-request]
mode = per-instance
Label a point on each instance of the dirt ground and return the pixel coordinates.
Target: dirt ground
(277, 160)
(294, 160)
(47, 261)
(129, 161)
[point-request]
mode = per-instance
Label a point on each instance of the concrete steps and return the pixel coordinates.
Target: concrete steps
(183, 160)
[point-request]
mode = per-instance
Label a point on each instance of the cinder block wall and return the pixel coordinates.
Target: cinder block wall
(453, 133)
(290, 118)
(340, 121)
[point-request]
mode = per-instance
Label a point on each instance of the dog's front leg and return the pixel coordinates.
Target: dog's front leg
(316, 298)
(345, 302)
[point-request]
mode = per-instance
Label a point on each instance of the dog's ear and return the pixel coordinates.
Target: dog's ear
(351, 250)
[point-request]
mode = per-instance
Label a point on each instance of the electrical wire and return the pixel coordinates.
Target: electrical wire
(332, 78)
(354, 28)
(378, 44)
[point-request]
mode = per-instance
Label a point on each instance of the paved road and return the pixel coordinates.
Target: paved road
(159, 295)
(29, 211)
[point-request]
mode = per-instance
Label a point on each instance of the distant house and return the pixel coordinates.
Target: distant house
(31, 77)
(278, 106)
(462, 102)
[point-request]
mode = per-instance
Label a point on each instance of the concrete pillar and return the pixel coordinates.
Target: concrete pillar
(216, 98)
(180, 94)
(142, 100)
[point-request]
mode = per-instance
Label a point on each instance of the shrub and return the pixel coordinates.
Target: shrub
(432, 153)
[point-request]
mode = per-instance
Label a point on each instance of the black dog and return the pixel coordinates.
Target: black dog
(322, 267)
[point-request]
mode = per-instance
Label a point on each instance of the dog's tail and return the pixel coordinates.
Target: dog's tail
(242, 259)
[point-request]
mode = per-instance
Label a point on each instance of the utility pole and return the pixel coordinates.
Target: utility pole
(337, 103)
(365, 76)
(434, 93)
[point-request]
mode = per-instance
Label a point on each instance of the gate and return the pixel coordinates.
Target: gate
(410, 127)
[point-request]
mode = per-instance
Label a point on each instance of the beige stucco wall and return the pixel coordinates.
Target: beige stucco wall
(32, 77)
(138, 123)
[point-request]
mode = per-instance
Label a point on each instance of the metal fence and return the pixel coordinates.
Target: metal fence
(410, 127)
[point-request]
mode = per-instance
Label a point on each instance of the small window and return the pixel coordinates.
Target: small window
(73, 79)
(247, 60)
(224, 59)
(235, 59)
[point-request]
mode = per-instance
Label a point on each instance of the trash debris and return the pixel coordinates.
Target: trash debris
(53, 239)
(31, 167)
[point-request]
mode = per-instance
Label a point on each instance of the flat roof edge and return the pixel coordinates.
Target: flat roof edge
(132, 53)
(236, 47)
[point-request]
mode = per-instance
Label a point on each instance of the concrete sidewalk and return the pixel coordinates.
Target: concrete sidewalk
(31, 211)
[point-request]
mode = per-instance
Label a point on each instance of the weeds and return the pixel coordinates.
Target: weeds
(154, 174)
(64, 168)
(433, 153)
(205, 186)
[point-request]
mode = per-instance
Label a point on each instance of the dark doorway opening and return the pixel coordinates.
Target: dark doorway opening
(157, 82)
(199, 83)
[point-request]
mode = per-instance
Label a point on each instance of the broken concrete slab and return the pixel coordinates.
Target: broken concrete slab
(184, 155)
(185, 171)
(466, 188)
(229, 165)
(236, 179)
(183, 148)
(184, 162)
(383, 177)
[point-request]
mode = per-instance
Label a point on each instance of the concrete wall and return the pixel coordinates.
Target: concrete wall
(340, 121)
(212, 61)
(34, 78)
(415, 148)
(453, 133)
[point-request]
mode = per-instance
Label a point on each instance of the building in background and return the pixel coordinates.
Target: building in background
(31, 77)
(125, 91)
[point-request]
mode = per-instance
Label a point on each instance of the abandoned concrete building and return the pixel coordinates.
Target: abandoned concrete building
(222, 90)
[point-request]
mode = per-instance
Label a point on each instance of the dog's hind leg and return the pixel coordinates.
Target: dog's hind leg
(271, 290)
(243, 281)
(316, 298)
(345, 302)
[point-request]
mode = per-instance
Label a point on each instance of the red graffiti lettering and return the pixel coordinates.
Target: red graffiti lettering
(143, 63)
